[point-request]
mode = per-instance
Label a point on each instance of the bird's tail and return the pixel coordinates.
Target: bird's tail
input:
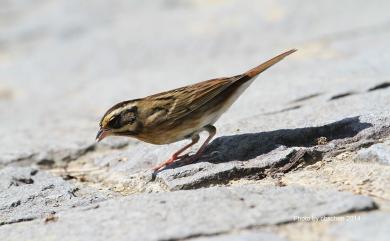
(262, 67)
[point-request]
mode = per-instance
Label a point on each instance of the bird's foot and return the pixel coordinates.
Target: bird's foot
(169, 161)
(163, 164)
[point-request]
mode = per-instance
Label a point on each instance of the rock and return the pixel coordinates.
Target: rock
(376, 153)
(366, 227)
(204, 174)
(27, 194)
(183, 214)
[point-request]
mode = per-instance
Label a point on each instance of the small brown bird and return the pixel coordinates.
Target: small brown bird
(179, 114)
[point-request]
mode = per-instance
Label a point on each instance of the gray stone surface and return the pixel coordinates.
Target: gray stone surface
(370, 227)
(251, 154)
(182, 214)
(27, 194)
(375, 153)
(209, 173)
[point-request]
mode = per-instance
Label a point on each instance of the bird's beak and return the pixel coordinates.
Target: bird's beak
(102, 133)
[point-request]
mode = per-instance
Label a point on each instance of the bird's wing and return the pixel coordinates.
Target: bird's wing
(175, 104)
(182, 101)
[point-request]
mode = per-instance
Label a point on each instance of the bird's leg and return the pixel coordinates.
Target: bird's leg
(175, 156)
(195, 138)
(211, 130)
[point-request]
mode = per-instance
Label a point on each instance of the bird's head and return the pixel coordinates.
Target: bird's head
(120, 120)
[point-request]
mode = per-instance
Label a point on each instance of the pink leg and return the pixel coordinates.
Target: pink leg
(211, 130)
(176, 156)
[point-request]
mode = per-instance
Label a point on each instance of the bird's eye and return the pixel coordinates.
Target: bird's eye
(120, 120)
(115, 122)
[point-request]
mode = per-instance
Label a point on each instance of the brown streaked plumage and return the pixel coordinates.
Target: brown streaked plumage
(181, 113)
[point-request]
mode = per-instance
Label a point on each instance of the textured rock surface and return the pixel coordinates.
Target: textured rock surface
(171, 216)
(319, 119)
(27, 194)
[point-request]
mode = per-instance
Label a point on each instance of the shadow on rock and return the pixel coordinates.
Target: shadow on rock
(248, 146)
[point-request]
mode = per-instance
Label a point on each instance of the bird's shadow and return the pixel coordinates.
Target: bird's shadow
(244, 147)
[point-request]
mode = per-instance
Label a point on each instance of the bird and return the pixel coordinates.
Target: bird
(179, 114)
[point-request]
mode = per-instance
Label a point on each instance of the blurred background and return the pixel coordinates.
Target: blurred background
(64, 62)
